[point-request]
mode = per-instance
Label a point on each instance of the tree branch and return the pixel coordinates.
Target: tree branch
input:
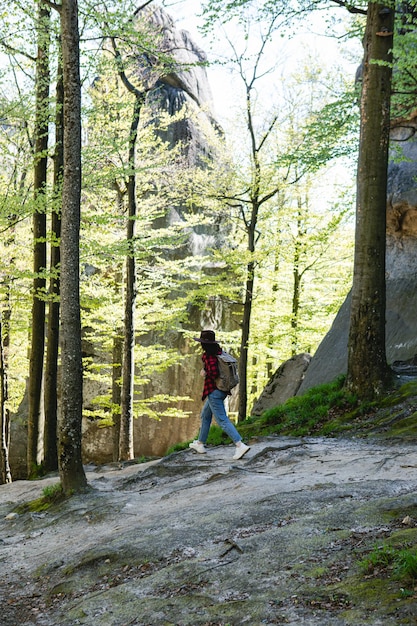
(53, 5)
(143, 6)
(350, 7)
(9, 48)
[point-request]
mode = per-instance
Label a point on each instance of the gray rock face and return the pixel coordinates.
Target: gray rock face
(284, 383)
(330, 359)
(402, 167)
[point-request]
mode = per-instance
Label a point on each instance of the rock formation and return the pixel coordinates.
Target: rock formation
(283, 384)
(184, 84)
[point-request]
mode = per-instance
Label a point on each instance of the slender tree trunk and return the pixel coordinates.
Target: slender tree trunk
(244, 345)
(5, 316)
(70, 419)
(367, 366)
(126, 450)
(116, 391)
(39, 236)
(5, 473)
(51, 364)
(296, 294)
(126, 447)
(271, 367)
(247, 306)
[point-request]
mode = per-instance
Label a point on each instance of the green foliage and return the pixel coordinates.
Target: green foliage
(381, 556)
(37, 471)
(217, 437)
(330, 132)
(53, 493)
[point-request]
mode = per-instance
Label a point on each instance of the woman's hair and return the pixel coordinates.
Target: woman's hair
(210, 348)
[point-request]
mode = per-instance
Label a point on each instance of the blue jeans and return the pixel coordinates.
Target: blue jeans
(214, 407)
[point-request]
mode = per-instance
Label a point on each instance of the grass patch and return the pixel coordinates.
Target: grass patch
(323, 410)
(388, 561)
(52, 495)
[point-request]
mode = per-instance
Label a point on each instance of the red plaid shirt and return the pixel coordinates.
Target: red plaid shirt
(211, 367)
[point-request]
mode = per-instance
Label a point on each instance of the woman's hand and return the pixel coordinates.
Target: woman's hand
(203, 373)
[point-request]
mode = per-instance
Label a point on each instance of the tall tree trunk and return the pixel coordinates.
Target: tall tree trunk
(51, 363)
(70, 419)
(39, 236)
(126, 450)
(5, 473)
(126, 447)
(367, 366)
(5, 317)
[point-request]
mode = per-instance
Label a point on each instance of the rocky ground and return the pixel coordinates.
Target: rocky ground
(275, 538)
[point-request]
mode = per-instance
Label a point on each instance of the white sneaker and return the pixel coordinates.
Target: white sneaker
(240, 451)
(198, 446)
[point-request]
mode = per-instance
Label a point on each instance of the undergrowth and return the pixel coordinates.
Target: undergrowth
(399, 563)
(325, 409)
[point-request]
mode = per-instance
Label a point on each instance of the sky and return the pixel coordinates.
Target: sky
(287, 55)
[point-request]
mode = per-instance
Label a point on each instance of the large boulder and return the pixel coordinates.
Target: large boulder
(182, 86)
(283, 384)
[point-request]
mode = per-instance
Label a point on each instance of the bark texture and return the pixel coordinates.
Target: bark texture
(367, 365)
(69, 451)
(5, 473)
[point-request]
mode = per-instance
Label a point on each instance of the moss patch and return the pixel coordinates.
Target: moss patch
(52, 496)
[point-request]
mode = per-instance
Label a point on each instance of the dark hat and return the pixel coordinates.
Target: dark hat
(206, 336)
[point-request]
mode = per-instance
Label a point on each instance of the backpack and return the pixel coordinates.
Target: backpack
(228, 376)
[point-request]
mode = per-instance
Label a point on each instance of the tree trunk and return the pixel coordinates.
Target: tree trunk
(70, 419)
(51, 364)
(297, 277)
(5, 317)
(248, 301)
(116, 391)
(126, 450)
(244, 345)
(5, 473)
(367, 367)
(39, 236)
